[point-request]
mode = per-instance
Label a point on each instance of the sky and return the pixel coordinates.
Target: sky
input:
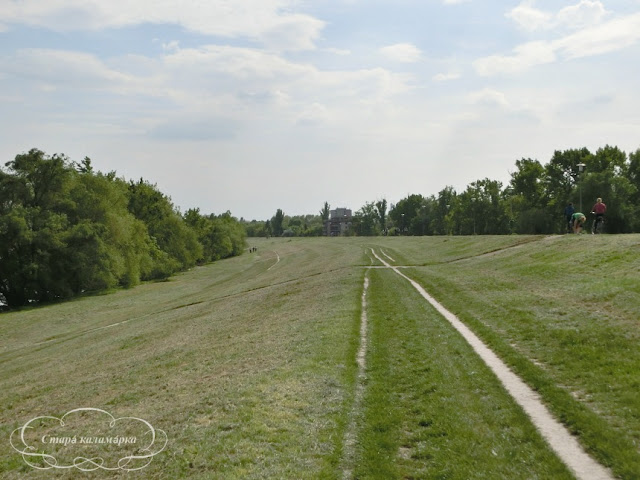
(254, 105)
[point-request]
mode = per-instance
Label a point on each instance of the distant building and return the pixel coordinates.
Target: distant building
(339, 222)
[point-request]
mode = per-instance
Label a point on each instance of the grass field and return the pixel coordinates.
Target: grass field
(249, 364)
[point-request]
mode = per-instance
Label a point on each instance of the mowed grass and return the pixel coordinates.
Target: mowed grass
(563, 312)
(433, 409)
(249, 364)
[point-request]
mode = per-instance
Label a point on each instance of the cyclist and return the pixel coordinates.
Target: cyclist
(599, 210)
(578, 220)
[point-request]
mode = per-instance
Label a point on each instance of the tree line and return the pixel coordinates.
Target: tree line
(66, 229)
(533, 201)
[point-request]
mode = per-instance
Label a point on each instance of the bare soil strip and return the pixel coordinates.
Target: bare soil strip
(385, 254)
(277, 261)
(351, 432)
(561, 441)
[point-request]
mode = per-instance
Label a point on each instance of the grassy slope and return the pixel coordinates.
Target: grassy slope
(563, 311)
(250, 369)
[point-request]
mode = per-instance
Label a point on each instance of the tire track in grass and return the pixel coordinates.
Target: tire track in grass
(351, 433)
(386, 255)
(557, 436)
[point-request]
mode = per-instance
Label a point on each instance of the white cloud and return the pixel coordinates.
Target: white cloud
(64, 68)
(402, 52)
(525, 56)
(314, 114)
(607, 37)
(443, 77)
(272, 22)
(223, 86)
(172, 46)
(528, 17)
(610, 36)
(489, 97)
(338, 51)
(583, 14)
(289, 118)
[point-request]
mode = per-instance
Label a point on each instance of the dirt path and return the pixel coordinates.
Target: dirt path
(386, 255)
(557, 436)
(351, 434)
(277, 261)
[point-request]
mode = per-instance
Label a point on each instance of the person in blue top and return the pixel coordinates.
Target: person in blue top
(568, 214)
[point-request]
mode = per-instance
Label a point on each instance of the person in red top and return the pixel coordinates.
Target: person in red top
(599, 210)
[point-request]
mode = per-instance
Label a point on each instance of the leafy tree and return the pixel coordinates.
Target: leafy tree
(365, 221)
(277, 226)
(633, 171)
(104, 230)
(528, 182)
(561, 176)
(441, 221)
(404, 212)
(481, 210)
(33, 228)
(64, 231)
(381, 209)
(608, 176)
(633, 174)
(528, 196)
(255, 229)
(177, 245)
(325, 212)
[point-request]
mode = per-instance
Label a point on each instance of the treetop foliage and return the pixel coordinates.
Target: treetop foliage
(533, 201)
(66, 229)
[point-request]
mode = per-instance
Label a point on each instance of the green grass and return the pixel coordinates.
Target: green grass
(434, 410)
(249, 371)
(564, 313)
(249, 365)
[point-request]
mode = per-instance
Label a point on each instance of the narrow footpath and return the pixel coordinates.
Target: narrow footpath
(563, 443)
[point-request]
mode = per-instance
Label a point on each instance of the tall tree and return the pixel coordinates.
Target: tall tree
(277, 223)
(608, 177)
(561, 177)
(634, 177)
(441, 223)
(526, 198)
(64, 231)
(325, 212)
(178, 246)
(365, 221)
(381, 209)
(404, 212)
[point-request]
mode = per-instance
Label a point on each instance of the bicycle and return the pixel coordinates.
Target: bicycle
(598, 225)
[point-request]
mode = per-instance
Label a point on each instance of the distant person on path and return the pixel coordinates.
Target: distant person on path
(578, 220)
(599, 209)
(568, 214)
